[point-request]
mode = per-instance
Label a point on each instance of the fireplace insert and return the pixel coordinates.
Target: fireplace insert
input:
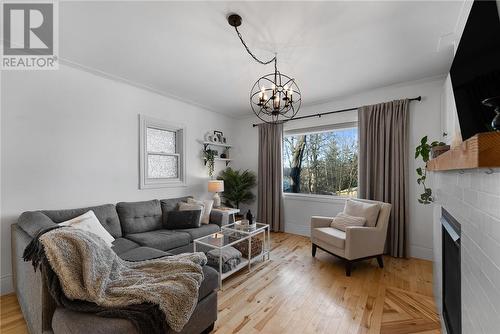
(452, 295)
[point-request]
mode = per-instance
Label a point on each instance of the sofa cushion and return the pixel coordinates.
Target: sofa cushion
(121, 245)
(183, 219)
(137, 217)
(207, 208)
(161, 239)
(329, 235)
(172, 203)
(185, 249)
(209, 283)
(88, 222)
(65, 321)
(201, 231)
(142, 253)
(33, 222)
(369, 211)
(106, 214)
(342, 221)
(190, 207)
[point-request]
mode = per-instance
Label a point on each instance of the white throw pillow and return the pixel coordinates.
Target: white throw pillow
(207, 208)
(192, 207)
(361, 209)
(341, 221)
(89, 222)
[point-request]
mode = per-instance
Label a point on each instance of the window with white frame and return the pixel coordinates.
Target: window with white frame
(322, 160)
(162, 159)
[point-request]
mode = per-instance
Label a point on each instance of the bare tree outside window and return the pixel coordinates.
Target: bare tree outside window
(324, 163)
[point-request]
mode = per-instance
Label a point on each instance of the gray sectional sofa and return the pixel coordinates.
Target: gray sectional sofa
(139, 235)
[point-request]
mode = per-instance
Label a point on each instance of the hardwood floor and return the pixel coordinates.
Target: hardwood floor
(11, 320)
(295, 293)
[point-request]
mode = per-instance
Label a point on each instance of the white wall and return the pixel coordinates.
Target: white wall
(425, 119)
(473, 198)
(70, 139)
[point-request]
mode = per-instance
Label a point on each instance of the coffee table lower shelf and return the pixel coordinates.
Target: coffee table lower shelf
(244, 263)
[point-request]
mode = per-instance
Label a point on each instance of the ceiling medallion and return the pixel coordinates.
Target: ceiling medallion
(275, 97)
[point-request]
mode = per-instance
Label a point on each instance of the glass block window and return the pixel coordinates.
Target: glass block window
(162, 154)
(162, 166)
(160, 140)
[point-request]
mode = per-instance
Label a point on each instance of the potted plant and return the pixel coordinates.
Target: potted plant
(425, 150)
(209, 156)
(237, 186)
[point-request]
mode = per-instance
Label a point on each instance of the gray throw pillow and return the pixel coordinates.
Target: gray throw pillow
(183, 219)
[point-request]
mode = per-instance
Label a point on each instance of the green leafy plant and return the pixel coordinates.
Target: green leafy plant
(209, 156)
(237, 186)
(424, 150)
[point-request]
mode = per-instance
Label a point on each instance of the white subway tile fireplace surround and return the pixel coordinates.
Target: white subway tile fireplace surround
(473, 198)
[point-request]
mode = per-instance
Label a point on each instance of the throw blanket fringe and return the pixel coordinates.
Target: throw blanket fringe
(154, 294)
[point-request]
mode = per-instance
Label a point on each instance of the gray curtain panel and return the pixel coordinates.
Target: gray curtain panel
(383, 165)
(270, 191)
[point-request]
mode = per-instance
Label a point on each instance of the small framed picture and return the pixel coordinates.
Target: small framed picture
(219, 135)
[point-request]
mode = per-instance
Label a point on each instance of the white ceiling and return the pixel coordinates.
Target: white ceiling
(188, 50)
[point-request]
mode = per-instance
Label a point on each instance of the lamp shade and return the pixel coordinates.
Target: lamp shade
(215, 186)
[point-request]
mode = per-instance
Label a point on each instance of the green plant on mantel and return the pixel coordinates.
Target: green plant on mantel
(424, 150)
(209, 156)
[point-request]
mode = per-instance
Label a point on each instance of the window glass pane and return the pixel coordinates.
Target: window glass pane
(324, 163)
(160, 140)
(162, 166)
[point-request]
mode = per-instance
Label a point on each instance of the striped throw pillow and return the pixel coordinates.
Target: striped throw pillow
(341, 221)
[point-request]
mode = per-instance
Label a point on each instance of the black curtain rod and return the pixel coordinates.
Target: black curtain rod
(418, 98)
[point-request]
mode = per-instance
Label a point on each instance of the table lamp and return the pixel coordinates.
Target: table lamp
(216, 187)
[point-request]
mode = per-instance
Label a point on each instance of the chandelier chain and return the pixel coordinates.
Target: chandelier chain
(255, 57)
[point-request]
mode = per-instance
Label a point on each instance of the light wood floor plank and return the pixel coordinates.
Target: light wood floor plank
(296, 293)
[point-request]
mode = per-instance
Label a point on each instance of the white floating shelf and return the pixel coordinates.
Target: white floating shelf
(216, 144)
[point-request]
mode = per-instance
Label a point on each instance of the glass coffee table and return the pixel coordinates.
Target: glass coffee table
(233, 234)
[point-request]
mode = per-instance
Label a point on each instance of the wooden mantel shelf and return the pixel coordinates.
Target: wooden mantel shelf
(479, 151)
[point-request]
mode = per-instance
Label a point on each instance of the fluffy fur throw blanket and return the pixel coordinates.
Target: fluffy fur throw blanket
(84, 274)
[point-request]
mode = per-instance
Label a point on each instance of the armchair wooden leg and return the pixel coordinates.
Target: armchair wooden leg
(313, 250)
(348, 267)
(380, 261)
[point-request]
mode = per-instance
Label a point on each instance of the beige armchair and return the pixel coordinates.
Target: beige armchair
(356, 243)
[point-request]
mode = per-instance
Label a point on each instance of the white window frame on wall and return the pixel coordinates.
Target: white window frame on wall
(145, 182)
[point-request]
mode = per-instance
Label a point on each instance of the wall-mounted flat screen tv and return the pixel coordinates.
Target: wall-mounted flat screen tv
(475, 72)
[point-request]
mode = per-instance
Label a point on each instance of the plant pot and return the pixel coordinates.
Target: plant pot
(436, 151)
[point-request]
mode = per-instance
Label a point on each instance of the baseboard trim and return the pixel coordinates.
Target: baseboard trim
(297, 229)
(6, 285)
(420, 252)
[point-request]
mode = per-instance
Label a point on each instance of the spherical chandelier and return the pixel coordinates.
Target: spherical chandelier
(275, 97)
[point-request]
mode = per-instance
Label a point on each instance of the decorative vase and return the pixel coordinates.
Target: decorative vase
(249, 217)
(494, 102)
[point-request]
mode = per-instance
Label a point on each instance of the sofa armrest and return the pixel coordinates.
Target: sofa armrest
(364, 241)
(218, 217)
(319, 221)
